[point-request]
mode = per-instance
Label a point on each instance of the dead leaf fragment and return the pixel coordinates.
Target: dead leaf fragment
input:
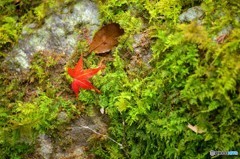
(195, 129)
(106, 38)
(221, 38)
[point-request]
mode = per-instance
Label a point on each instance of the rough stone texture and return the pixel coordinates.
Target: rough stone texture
(45, 149)
(63, 117)
(58, 33)
(142, 53)
(225, 31)
(71, 142)
(194, 13)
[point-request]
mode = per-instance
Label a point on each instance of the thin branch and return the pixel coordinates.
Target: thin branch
(86, 127)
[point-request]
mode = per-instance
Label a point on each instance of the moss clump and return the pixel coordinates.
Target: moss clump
(31, 101)
(193, 79)
(189, 78)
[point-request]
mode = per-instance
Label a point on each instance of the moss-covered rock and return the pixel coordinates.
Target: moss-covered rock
(59, 31)
(165, 79)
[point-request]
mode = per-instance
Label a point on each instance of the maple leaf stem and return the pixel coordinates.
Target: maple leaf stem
(97, 90)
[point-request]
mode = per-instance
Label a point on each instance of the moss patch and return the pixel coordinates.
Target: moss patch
(31, 101)
(193, 79)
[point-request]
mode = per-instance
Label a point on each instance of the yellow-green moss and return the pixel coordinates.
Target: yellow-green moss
(31, 101)
(193, 79)
(15, 14)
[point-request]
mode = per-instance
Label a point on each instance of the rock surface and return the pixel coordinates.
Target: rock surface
(46, 148)
(71, 141)
(194, 13)
(139, 60)
(59, 33)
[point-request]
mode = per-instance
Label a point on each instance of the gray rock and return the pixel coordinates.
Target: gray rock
(219, 38)
(45, 146)
(225, 30)
(58, 33)
(194, 13)
(63, 117)
(72, 140)
(142, 53)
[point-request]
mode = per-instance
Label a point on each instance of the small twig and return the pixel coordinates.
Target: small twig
(124, 138)
(86, 127)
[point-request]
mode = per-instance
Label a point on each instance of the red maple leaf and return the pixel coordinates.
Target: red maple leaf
(81, 76)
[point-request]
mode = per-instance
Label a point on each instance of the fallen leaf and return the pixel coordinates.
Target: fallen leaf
(195, 129)
(73, 72)
(102, 110)
(106, 38)
(81, 76)
(221, 38)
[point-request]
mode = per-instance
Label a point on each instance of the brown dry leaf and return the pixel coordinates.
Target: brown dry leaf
(106, 38)
(221, 38)
(195, 129)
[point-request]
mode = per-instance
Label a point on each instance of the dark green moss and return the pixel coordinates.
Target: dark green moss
(193, 79)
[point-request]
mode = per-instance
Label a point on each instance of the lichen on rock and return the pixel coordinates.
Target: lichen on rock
(59, 33)
(194, 13)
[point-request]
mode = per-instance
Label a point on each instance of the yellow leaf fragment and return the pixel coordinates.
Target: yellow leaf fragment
(195, 129)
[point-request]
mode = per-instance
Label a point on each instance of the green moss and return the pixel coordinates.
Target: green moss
(192, 79)
(15, 14)
(31, 102)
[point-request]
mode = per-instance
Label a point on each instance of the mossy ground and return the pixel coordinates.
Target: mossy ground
(31, 101)
(188, 78)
